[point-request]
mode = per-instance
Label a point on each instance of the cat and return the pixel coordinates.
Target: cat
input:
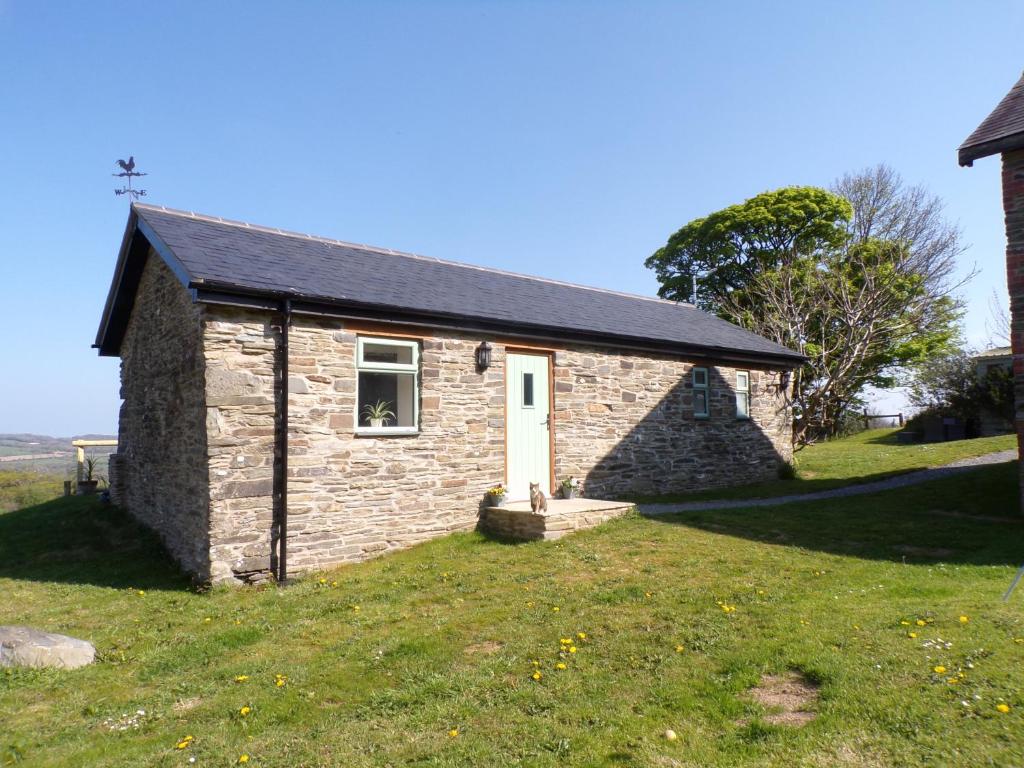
(538, 501)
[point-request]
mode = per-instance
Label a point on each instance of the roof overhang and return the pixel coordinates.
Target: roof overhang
(967, 154)
(138, 240)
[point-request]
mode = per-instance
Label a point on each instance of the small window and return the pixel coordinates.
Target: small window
(742, 395)
(700, 392)
(528, 390)
(388, 387)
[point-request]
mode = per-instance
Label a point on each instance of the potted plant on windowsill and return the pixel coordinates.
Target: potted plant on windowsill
(378, 413)
(87, 486)
(571, 488)
(497, 496)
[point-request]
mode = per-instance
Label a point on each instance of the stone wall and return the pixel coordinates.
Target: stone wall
(1013, 208)
(162, 468)
(623, 423)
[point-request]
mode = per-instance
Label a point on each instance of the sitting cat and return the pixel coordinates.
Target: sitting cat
(538, 501)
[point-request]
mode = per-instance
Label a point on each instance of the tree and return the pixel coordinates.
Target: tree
(850, 284)
(950, 385)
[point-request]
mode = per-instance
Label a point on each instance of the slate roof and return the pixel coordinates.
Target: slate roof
(1001, 131)
(216, 257)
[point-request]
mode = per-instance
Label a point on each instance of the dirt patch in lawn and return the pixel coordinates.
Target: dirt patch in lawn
(789, 696)
(486, 647)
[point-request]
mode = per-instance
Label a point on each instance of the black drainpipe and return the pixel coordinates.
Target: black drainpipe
(282, 452)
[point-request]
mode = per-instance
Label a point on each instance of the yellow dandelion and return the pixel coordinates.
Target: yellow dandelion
(964, 619)
(453, 733)
(207, 620)
(760, 592)
(565, 641)
(679, 649)
(561, 665)
(921, 622)
(581, 635)
(334, 583)
(556, 609)
(355, 607)
(939, 669)
(1004, 708)
(648, 594)
(244, 711)
(142, 593)
(911, 634)
(529, 603)
(241, 678)
(1018, 640)
(952, 680)
(905, 623)
(280, 680)
(243, 758)
(184, 743)
(323, 581)
(537, 675)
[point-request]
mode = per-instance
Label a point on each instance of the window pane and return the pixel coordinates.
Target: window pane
(397, 393)
(386, 353)
(742, 381)
(700, 377)
(700, 402)
(528, 390)
(742, 405)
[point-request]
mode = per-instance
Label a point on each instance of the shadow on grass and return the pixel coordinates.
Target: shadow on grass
(971, 518)
(80, 541)
(773, 488)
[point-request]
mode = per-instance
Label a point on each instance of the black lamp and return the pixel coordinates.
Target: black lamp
(784, 380)
(483, 356)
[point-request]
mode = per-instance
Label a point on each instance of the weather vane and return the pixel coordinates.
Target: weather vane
(128, 172)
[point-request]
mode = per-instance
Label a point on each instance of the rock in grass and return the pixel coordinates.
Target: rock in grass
(27, 647)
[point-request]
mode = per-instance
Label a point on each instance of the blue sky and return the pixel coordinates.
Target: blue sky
(560, 139)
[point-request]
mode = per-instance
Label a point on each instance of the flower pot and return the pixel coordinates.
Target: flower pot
(87, 487)
(570, 493)
(497, 501)
(376, 423)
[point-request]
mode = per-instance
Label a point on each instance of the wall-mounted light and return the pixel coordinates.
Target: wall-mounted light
(784, 380)
(483, 356)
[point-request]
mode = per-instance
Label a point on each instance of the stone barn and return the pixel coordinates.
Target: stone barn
(294, 402)
(1002, 133)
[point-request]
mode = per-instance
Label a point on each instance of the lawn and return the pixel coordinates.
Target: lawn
(870, 455)
(428, 657)
(20, 489)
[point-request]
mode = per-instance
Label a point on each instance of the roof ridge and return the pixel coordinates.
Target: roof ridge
(393, 252)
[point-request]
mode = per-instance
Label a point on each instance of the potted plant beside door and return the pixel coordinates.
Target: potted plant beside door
(497, 495)
(571, 488)
(378, 413)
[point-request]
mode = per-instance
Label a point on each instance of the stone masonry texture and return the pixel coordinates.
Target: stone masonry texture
(161, 475)
(623, 424)
(1013, 209)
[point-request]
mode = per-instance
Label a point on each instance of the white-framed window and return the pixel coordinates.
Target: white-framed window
(387, 388)
(742, 394)
(701, 406)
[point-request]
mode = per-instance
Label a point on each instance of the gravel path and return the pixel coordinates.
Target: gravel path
(899, 481)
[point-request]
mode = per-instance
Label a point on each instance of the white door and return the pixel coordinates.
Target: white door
(527, 424)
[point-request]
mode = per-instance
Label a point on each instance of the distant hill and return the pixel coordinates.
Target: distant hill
(42, 453)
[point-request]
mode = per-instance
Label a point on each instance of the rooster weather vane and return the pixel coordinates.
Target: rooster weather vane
(128, 172)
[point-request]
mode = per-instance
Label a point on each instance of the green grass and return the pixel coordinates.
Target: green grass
(23, 489)
(871, 455)
(445, 634)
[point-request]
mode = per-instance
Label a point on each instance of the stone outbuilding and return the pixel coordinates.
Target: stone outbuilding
(294, 402)
(1002, 133)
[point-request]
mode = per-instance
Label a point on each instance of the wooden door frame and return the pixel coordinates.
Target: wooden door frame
(550, 355)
